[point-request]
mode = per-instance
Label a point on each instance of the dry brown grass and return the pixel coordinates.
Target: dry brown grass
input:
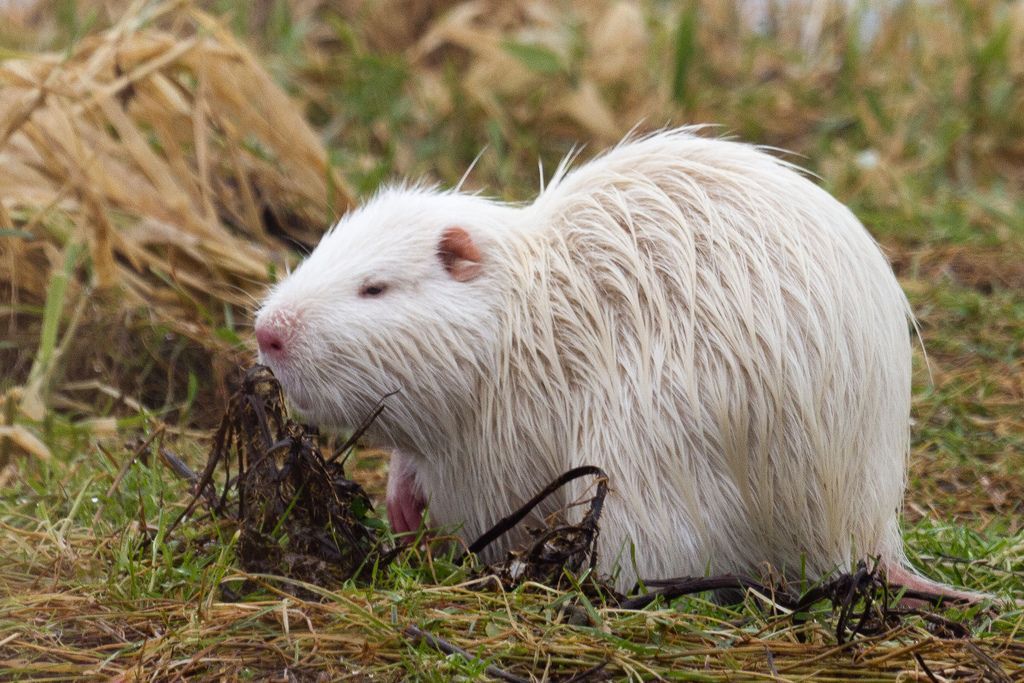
(165, 151)
(358, 637)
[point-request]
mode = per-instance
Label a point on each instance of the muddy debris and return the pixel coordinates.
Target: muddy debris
(297, 514)
(557, 553)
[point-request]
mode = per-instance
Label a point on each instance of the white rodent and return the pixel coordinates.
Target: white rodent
(692, 315)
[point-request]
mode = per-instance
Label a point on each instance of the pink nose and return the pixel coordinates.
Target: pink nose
(271, 339)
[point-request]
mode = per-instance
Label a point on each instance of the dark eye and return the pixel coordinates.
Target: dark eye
(372, 290)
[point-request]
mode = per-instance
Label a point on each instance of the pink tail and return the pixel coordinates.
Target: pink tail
(901, 575)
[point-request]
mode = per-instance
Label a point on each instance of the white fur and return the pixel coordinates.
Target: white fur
(692, 315)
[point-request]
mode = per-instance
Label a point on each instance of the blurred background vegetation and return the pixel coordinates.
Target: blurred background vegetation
(166, 159)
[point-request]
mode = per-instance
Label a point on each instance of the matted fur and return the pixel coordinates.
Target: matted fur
(694, 316)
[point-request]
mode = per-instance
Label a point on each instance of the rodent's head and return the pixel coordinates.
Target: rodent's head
(400, 295)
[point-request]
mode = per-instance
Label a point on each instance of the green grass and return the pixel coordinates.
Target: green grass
(91, 586)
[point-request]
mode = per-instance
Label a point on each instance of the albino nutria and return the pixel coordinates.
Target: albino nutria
(692, 315)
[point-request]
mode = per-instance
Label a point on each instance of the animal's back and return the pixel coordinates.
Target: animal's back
(728, 342)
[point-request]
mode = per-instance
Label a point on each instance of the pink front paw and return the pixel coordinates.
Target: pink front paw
(405, 500)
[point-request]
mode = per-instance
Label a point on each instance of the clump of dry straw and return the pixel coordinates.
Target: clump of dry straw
(158, 168)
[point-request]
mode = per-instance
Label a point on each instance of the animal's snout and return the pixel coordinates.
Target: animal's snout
(275, 334)
(270, 340)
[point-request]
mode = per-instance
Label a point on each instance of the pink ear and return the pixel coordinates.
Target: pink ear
(459, 254)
